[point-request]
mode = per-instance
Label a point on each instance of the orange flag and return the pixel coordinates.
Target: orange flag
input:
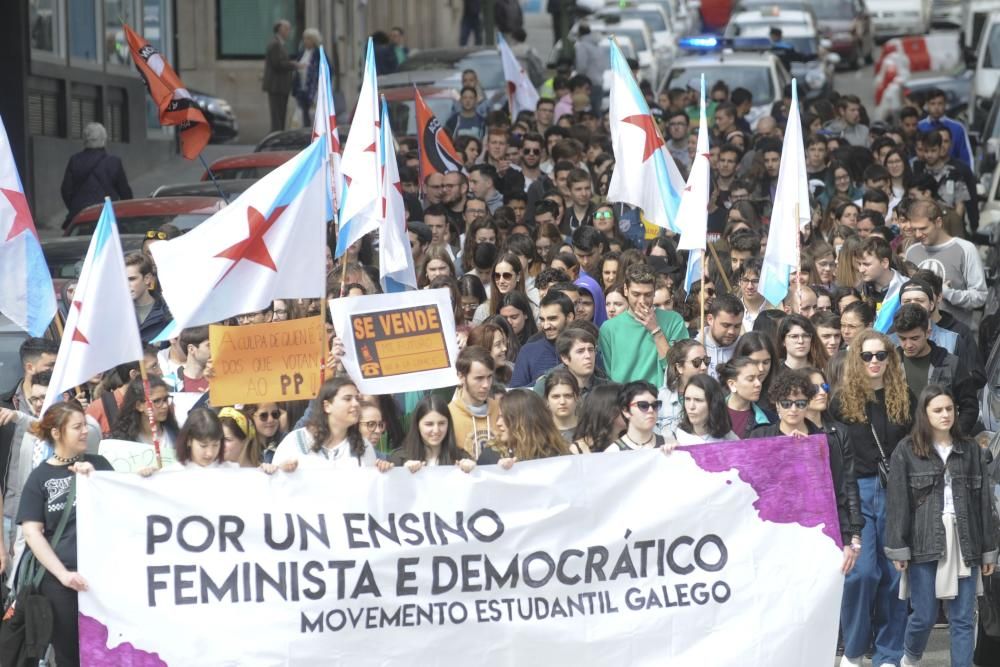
(171, 97)
(437, 154)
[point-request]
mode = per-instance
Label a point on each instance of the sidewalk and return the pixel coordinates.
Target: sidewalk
(174, 170)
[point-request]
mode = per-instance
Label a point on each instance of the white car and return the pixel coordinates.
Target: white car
(652, 63)
(987, 77)
(760, 73)
(892, 18)
(653, 15)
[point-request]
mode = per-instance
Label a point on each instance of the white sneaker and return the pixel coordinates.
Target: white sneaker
(907, 663)
(847, 662)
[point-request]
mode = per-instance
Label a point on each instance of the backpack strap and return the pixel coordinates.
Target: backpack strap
(35, 571)
(110, 406)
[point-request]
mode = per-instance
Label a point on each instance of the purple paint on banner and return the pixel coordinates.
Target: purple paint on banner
(94, 648)
(791, 477)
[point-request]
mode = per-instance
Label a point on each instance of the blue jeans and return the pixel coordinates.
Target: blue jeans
(871, 604)
(471, 26)
(961, 613)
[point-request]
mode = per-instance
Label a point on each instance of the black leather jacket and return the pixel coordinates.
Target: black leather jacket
(845, 485)
(915, 502)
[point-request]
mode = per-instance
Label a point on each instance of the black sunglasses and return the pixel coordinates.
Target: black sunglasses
(503, 275)
(698, 362)
(880, 356)
(264, 416)
(531, 151)
(645, 406)
(800, 404)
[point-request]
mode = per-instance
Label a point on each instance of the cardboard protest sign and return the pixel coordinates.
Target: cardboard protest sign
(128, 456)
(711, 556)
(398, 342)
(263, 363)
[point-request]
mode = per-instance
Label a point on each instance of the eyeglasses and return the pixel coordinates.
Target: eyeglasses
(710, 291)
(531, 151)
(603, 215)
(646, 406)
(801, 336)
(698, 362)
(825, 388)
(799, 404)
(881, 355)
(750, 281)
(153, 234)
(374, 425)
(163, 400)
(265, 416)
(503, 275)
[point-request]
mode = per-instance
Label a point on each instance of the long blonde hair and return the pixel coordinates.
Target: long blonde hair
(532, 431)
(856, 391)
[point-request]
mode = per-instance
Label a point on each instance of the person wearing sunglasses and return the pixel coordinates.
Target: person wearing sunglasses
(531, 158)
(639, 407)
(704, 417)
(876, 406)
(800, 397)
(508, 276)
(685, 360)
(270, 422)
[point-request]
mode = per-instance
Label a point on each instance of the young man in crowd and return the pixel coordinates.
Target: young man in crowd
(577, 350)
(483, 182)
(150, 311)
(474, 413)
(875, 268)
(725, 321)
(539, 355)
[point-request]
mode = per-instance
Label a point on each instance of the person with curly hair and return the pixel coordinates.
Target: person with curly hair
(331, 437)
(792, 393)
(525, 431)
(132, 423)
(876, 405)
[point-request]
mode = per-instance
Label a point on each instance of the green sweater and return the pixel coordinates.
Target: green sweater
(629, 351)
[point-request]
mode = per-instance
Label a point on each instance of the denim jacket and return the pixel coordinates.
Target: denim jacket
(915, 501)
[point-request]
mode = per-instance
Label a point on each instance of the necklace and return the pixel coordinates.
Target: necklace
(641, 444)
(71, 459)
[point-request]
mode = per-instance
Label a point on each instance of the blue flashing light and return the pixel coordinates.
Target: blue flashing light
(700, 43)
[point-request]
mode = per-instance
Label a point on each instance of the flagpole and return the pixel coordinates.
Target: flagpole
(718, 265)
(149, 412)
(798, 262)
(701, 324)
(212, 176)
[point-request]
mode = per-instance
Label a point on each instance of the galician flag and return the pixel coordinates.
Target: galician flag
(266, 245)
(360, 204)
(693, 210)
(645, 175)
(26, 294)
(325, 125)
(101, 329)
(790, 212)
(521, 94)
(395, 261)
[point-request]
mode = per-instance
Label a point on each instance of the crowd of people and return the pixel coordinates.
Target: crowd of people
(577, 337)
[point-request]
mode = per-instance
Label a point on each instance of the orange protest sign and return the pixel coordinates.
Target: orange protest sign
(263, 363)
(396, 342)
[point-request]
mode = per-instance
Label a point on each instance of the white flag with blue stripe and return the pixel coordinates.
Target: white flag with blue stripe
(693, 210)
(395, 260)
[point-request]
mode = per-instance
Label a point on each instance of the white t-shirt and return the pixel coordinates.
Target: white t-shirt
(949, 500)
(298, 444)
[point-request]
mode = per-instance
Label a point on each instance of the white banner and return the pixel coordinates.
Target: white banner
(404, 341)
(720, 555)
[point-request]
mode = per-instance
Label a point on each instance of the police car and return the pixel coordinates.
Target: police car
(762, 74)
(809, 58)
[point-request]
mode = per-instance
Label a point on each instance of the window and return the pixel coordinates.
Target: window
(245, 26)
(155, 30)
(115, 44)
(45, 17)
(83, 30)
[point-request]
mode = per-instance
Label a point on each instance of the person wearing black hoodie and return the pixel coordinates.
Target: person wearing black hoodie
(93, 174)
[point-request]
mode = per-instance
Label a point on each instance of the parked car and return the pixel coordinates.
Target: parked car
(987, 142)
(231, 189)
(289, 140)
(401, 101)
(848, 26)
(946, 13)
(220, 116)
(485, 61)
(656, 18)
(974, 15)
(893, 18)
(138, 216)
(64, 256)
(987, 72)
(248, 165)
(11, 337)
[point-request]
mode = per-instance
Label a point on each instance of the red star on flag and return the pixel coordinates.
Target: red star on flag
(252, 248)
(645, 123)
(78, 336)
(385, 199)
(371, 149)
(22, 216)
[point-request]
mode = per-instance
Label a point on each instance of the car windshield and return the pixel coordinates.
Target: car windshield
(651, 17)
(487, 67)
(833, 9)
(142, 224)
(403, 116)
(636, 35)
(755, 78)
(991, 58)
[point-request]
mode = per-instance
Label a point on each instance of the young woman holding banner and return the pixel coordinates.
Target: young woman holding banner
(44, 502)
(525, 431)
(876, 406)
(431, 439)
(331, 437)
(241, 443)
(939, 477)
